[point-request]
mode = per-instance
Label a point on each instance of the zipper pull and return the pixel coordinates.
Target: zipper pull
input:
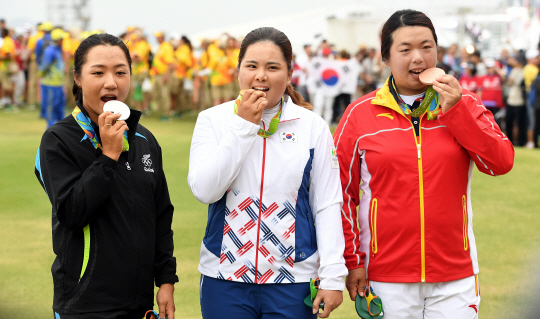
(419, 152)
(128, 167)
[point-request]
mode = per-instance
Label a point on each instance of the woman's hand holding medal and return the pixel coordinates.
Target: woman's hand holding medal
(111, 132)
(252, 105)
(449, 91)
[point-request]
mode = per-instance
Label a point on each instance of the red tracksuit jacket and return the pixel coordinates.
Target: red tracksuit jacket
(415, 214)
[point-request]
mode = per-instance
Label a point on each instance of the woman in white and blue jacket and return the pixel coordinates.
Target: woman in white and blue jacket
(266, 165)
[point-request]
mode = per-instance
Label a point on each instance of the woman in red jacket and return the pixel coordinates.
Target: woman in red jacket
(416, 247)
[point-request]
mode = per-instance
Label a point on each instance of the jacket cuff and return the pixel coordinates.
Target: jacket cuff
(241, 124)
(332, 283)
(166, 279)
(107, 161)
(351, 263)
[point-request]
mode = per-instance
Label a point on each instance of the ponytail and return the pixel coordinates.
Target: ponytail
(77, 91)
(297, 98)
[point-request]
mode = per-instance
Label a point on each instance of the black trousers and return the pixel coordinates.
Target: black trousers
(340, 104)
(537, 127)
(517, 114)
(123, 314)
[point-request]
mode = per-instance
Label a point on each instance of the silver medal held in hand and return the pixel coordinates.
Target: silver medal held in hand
(117, 107)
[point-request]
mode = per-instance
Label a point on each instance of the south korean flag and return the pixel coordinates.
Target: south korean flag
(288, 137)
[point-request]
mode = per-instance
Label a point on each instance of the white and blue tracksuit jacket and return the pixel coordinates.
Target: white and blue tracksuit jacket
(295, 233)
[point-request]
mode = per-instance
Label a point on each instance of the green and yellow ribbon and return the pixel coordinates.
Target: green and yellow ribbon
(274, 123)
(86, 125)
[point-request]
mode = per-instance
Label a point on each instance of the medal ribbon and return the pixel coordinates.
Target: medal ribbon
(272, 128)
(430, 103)
(86, 125)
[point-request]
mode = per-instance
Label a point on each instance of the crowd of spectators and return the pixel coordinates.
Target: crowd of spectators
(178, 77)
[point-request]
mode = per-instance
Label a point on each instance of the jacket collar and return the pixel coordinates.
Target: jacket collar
(291, 111)
(384, 98)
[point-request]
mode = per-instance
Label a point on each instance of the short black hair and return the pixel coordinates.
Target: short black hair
(402, 18)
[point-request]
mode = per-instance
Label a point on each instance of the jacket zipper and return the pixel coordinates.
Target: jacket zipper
(418, 142)
(373, 224)
(260, 211)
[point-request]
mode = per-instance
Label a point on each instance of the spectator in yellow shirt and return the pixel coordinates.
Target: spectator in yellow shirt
(184, 62)
(69, 45)
(233, 51)
(530, 71)
(162, 67)
(7, 61)
(221, 70)
(202, 95)
(140, 52)
(33, 83)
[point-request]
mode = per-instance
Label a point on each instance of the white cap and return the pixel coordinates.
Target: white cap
(174, 36)
(489, 62)
(531, 53)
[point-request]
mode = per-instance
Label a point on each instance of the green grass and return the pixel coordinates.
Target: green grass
(505, 218)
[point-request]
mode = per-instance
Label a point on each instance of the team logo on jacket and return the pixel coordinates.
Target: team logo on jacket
(288, 137)
(147, 163)
(333, 156)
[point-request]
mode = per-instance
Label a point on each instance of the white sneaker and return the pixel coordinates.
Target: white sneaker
(529, 145)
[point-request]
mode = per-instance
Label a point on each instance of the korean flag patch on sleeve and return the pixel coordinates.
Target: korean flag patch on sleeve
(333, 156)
(290, 137)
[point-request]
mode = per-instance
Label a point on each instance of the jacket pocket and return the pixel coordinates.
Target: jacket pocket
(373, 226)
(86, 251)
(465, 224)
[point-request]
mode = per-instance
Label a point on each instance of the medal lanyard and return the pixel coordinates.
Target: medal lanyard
(430, 102)
(86, 125)
(272, 128)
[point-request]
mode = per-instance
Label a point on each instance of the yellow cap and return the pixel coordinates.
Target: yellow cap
(85, 34)
(158, 34)
(57, 34)
(130, 28)
(45, 26)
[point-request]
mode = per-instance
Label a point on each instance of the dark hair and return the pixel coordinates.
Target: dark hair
(186, 41)
(402, 18)
(85, 46)
(279, 39)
